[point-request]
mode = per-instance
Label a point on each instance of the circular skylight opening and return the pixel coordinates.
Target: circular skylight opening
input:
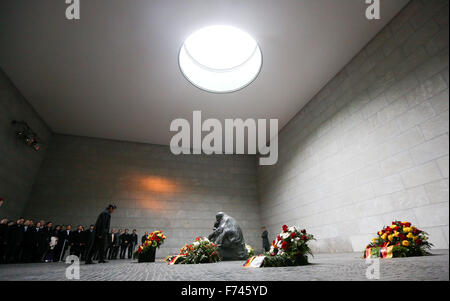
(220, 59)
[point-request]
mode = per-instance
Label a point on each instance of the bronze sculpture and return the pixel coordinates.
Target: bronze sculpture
(228, 237)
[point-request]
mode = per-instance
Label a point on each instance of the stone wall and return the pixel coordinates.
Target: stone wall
(153, 189)
(372, 146)
(18, 162)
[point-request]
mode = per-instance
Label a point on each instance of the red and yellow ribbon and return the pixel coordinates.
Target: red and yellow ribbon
(174, 259)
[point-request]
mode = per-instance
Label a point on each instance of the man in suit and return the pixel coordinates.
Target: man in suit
(144, 237)
(110, 243)
(133, 243)
(101, 230)
(124, 243)
(38, 234)
(116, 244)
(76, 239)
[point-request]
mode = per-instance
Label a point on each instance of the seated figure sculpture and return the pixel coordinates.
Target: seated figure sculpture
(228, 237)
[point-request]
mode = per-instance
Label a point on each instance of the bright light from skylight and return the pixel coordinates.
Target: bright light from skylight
(220, 59)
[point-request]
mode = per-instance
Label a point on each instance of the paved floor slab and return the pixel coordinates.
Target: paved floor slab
(348, 266)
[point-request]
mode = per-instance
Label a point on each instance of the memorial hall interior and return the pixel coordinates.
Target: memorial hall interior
(362, 108)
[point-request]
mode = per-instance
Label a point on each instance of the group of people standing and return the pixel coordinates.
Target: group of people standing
(25, 241)
(121, 244)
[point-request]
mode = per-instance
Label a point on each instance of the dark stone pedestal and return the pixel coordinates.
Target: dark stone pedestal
(237, 252)
(147, 256)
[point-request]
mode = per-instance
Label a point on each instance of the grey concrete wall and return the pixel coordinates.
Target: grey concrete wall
(153, 189)
(372, 145)
(18, 162)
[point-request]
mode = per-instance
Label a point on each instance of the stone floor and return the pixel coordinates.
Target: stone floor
(348, 266)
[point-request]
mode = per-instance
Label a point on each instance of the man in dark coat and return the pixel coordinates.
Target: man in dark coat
(144, 237)
(3, 233)
(28, 247)
(14, 238)
(64, 239)
(265, 239)
(10, 225)
(88, 240)
(75, 240)
(133, 243)
(101, 230)
(44, 246)
(59, 246)
(38, 240)
(124, 243)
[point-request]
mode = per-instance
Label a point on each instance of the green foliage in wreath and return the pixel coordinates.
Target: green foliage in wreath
(284, 260)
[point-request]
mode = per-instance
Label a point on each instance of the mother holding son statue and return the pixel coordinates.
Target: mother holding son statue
(228, 237)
